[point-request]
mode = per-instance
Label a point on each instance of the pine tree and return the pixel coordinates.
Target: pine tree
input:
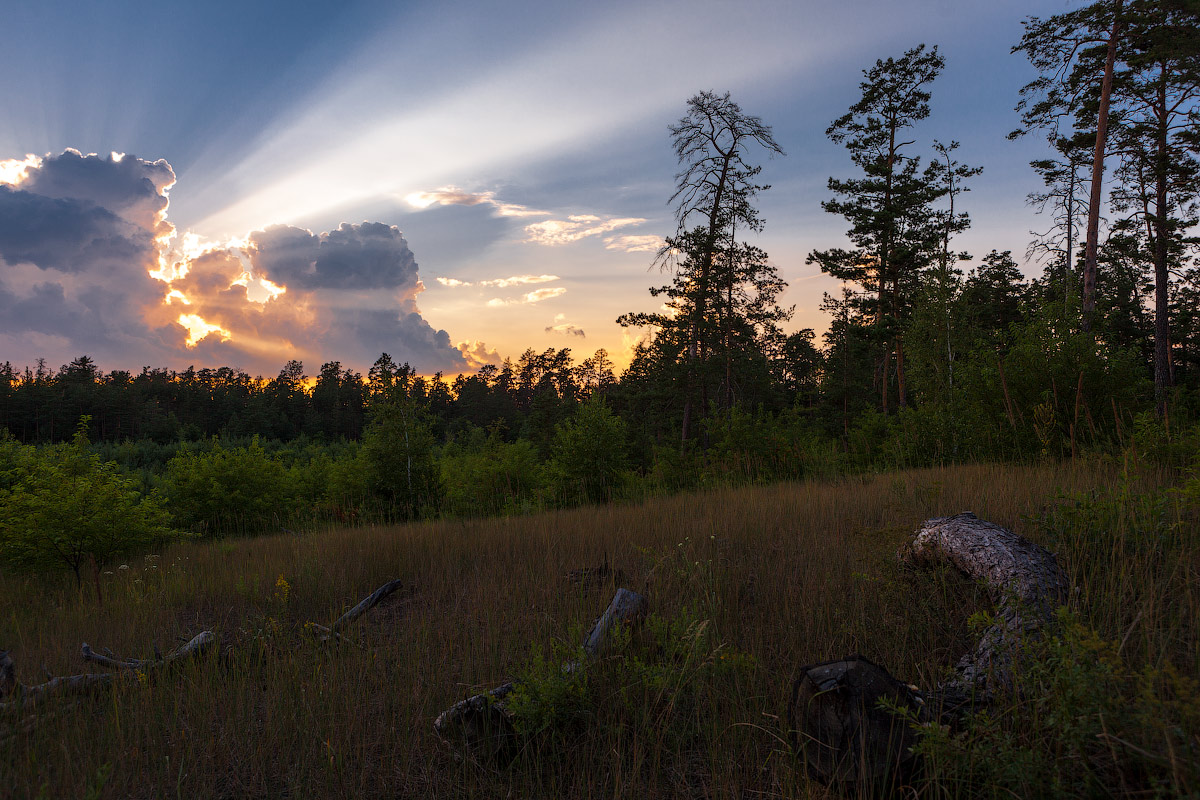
(893, 227)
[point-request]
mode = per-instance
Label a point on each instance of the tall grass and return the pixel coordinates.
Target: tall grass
(789, 575)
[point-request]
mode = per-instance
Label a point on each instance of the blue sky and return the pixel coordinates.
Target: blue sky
(518, 150)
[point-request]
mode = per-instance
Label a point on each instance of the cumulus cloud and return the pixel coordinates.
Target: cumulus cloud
(536, 296)
(578, 226)
(479, 354)
(86, 266)
(453, 196)
(634, 243)
(78, 236)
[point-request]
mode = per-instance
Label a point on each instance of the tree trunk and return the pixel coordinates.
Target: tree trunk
(1093, 224)
(1162, 275)
(835, 719)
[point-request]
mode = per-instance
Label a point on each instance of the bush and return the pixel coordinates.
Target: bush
(63, 508)
(588, 454)
(234, 490)
(483, 475)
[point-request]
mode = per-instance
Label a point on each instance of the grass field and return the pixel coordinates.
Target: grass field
(785, 576)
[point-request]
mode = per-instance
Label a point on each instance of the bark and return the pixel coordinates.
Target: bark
(1093, 221)
(836, 721)
(195, 647)
(1024, 580)
(483, 724)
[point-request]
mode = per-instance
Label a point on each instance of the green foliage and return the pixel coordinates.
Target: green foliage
(552, 692)
(588, 454)
(484, 475)
(662, 677)
(1086, 723)
(63, 508)
(398, 463)
(216, 489)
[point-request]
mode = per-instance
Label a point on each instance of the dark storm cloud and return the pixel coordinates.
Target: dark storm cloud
(88, 224)
(367, 256)
(408, 337)
(67, 234)
(79, 236)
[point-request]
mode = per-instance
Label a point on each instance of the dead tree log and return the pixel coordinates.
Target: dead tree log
(25, 697)
(835, 714)
(334, 632)
(483, 723)
(197, 645)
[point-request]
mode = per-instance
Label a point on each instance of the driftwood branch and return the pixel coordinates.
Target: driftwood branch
(837, 712)
(333, 632)
(483, 723)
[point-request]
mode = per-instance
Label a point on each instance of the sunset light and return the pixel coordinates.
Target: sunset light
(198, 329)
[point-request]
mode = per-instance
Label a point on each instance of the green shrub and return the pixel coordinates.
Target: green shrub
(228, 490)
(483, 475)
(588, 454)
(61, 507)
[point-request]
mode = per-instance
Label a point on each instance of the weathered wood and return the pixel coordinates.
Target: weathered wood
(367, 603)
(197, 645)
(8, 674)
(840, 728)
(627, 607)
(333, 632)
(26, 697)
(835, 716)
(1024, 581)
(483, 724)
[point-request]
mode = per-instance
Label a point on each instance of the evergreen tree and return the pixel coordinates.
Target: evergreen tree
(716, 184)
(894, 230)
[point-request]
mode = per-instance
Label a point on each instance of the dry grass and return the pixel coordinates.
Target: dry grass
(792, 574)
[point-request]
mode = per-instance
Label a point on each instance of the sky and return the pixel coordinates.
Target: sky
(240, 184)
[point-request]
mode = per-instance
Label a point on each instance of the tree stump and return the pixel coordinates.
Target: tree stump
(838, 723)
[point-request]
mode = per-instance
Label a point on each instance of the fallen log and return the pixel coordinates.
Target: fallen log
(482, 724)
(333, 632)
(25, 697)
(197, 645)
(835, 715)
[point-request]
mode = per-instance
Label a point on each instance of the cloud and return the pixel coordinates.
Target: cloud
(566, 330)
(478, 354)
(453, 196)
(561, 326)
(500, 283)
(579, 226)
(87, 266)
(648, 243)
(536, 296)
(78, 237)
(367, 256)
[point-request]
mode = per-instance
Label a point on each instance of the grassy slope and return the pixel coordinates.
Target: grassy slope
(792, 574)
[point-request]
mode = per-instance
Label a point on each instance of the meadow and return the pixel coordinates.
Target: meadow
(746, 586)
